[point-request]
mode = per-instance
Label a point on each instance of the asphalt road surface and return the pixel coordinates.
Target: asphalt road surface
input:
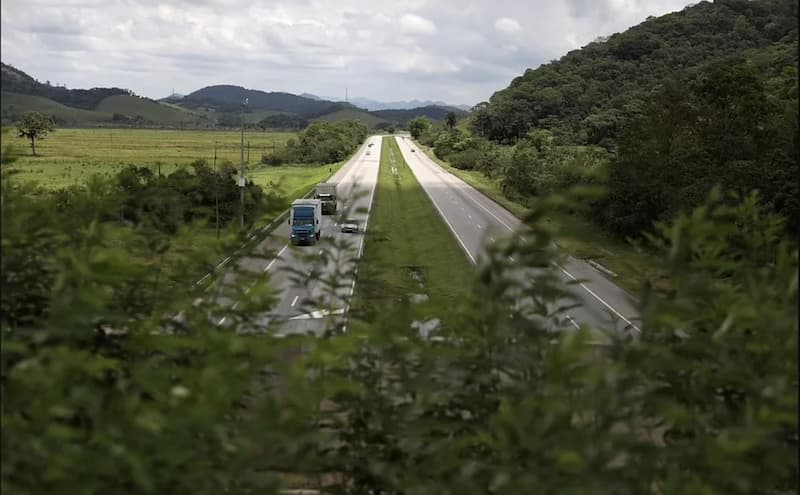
(475, 220)
(302, 276)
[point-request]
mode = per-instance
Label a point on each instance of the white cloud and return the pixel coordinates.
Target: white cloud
(414, 24)
(455, 51)
(507, 25)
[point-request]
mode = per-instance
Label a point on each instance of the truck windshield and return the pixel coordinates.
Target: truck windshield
(303, 216)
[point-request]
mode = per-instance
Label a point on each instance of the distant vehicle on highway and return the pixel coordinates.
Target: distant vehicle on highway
(305, 221)
(370, 145)
(351, 228)
(368, 152)
(326, 192)
(413, 150)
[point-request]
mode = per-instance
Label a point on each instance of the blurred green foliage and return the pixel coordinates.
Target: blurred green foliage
(104, 391)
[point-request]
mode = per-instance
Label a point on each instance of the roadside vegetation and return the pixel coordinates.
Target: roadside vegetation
(98, 399)
(116, 378)
(320, 142)
(412, 268)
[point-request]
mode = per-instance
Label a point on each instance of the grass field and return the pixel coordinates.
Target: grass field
(579, 237)
(71, 156)
(409, 250)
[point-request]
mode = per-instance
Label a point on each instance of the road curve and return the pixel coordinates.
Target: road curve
(474, 220)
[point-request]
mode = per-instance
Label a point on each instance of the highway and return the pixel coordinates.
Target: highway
(301, 276)
(476, 220)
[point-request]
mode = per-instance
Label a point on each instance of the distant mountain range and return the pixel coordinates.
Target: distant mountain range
(208, 107)
(372, 105)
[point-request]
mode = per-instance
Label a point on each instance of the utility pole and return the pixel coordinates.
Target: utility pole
(248, 152)
(241, 167)
(216, 188)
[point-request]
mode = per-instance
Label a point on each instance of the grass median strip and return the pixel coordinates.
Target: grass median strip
(412, 266)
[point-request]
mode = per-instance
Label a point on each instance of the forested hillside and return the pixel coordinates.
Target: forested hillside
(659, 115)
(587, 96)
(15, 81)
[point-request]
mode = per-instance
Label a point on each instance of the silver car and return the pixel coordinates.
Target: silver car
(350, 228)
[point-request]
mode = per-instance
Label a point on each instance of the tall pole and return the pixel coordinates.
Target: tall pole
(248, 152)
(216, 188)
(241, 167)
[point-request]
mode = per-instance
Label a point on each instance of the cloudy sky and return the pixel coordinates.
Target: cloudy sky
(458, 51)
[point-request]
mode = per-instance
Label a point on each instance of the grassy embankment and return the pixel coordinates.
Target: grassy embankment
(578, 236)
(409, 251)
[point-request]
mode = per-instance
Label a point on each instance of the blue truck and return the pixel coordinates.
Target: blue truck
(304, 219)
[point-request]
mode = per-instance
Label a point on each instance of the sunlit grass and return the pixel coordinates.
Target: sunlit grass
(71, 156)
(409, 253)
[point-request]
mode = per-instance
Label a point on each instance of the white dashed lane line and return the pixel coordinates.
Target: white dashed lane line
(294, 301)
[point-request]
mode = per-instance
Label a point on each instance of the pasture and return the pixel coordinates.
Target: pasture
(71, 156)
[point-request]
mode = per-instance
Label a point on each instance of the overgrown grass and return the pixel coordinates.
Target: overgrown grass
(578, 237)
(409, 253)
(71, 156)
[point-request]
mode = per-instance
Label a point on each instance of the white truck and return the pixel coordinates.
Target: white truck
(305, 221)
(326, 192)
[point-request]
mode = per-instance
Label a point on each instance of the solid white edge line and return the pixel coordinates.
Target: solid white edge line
(572, 321)
(276, 258)
(441, 214)
(590, 291)
(361, 247)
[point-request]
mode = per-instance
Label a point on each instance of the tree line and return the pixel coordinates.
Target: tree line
(320, 143)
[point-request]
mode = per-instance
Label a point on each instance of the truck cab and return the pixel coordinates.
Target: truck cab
(304, 219)
(326, 193)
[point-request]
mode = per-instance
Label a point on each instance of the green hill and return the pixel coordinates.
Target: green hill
(228, 98)
(365, 118)
(14, 80)
(13, 105)
(432, 112)
(659, 115)
(587, 96)
(133, 106)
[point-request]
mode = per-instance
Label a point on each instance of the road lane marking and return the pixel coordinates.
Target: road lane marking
(294, 301)
(590, 291)
(276, 258)
(572, 321)
(201, 280)
(346, 310)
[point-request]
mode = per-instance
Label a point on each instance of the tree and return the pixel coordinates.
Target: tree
(418, 126)
(450, 120)
(34, 126)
